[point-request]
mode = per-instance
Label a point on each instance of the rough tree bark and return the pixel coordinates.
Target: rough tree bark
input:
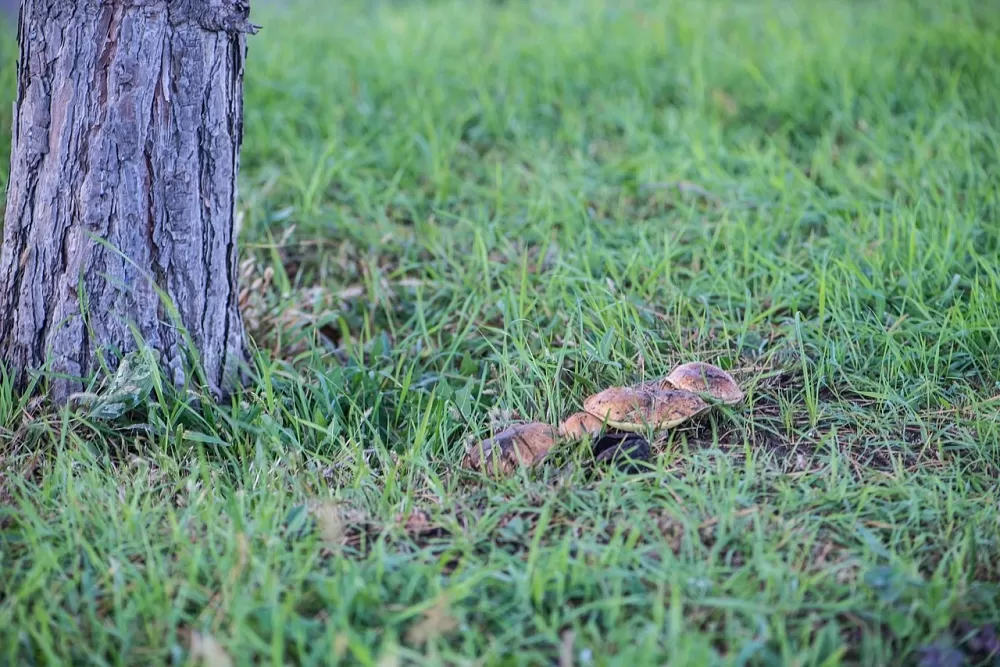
(127, 129)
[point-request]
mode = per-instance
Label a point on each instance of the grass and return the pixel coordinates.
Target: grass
(464, 213)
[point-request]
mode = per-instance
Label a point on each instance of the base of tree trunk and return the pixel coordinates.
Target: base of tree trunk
(120, 217)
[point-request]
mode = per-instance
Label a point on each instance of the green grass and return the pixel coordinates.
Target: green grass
(472, 210)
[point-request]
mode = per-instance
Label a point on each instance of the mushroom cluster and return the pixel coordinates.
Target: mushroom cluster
(616, 414)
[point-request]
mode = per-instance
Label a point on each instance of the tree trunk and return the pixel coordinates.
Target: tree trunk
(120, 207)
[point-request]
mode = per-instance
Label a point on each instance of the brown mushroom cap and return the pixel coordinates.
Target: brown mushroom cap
(700, 377)
(580, 424)
(636, 409)
(524, 444)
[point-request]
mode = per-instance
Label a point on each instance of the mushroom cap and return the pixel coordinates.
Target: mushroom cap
(700, 377)
(636, 409)
(523, 444)
(580, 424)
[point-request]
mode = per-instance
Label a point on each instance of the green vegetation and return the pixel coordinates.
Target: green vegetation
(471, 211)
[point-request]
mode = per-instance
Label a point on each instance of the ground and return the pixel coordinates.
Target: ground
(459, 214)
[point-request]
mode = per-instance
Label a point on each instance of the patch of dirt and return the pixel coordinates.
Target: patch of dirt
(785, 431)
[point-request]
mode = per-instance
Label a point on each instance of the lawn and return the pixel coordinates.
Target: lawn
(457, 215)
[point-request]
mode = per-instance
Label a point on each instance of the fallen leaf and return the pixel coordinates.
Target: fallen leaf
(417, 523)
(725, 102)
(739, 514)
(332, 524)
(207, 651)
(437, 621)
(338, 522)
(340, 645)
(389, 658)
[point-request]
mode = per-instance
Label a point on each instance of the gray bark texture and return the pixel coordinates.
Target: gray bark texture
(126, 142)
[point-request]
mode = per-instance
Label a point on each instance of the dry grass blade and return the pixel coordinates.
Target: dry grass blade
(436, 622)
(207, 651)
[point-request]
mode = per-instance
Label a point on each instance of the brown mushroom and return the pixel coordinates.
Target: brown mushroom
(524, 444)
(700, 377)
(636, 409)
(580, 424)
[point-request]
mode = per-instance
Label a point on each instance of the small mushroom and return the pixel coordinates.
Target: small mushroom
(636, 409)
(700, 377)
(580, 424)
(524, 444)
